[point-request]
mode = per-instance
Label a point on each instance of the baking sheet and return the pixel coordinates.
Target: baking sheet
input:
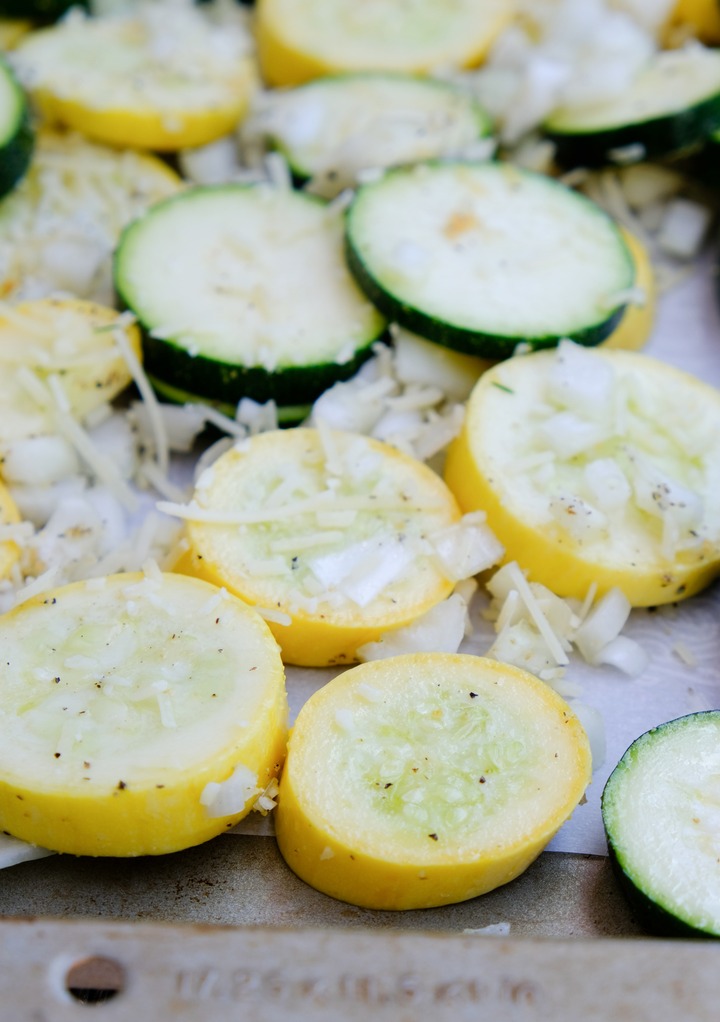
(683, 640)
(326, 976)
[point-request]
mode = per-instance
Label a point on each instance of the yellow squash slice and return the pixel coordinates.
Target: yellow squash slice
(635, 327)
(60, 224)
(65, 343)
(139, 81)
(599, 467)
(303, 39)
(12, 31)
(9, 515)
(693, 18)
(338, 538)
(141, 714)
(427, 779)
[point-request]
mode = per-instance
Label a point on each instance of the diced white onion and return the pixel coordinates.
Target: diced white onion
(625, 654)
(603, 624)
(440, 630)
(583, 521)
(684, 228)
(212, 164)
(229, 797)
(419, 361)
(567, 434)
(467, 547)
(39, 461)
(607, 483)
(648, 184)
(581, 381)
(522, 645)
(14, 851)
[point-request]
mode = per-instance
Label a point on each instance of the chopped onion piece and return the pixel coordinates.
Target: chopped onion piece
(625, 654)
(423, 362)
(558, 612)
(660, 495)
(364, 569)
(567, 434)
(647, 184)
(603, 624)
(230, 796)
(440, 630)
(14, 851)
(608, 484)
(114, 440)
(467, 547)
(211, 164)
(183, 423)
(39, 461)
(521, 584)
(521, 644)
(581, 381)
(37, 503)
(580, 518)
(684, 228)
(502, 582)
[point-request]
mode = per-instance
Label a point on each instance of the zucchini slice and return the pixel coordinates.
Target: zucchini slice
(342, 537)
(596, 468)
(427, 779)
(673, 105)
(38, 10)
(483, 256)
(299, 40)
(660, 812)
(335, 126)
(16, 135)
(142, 714)
(243, 292)
(185, 85)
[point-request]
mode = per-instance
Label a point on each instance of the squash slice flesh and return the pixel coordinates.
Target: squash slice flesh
(427, 779)
(141, 714)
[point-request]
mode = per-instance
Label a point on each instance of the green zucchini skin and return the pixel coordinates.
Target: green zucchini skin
(470, 342)
(301, 173)
(17, 148)
(225, 384)
(660, 136)
(443, 324)
(289, 415)
(40, 10)
(654, 916)
(15, 155)
(225, 374)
